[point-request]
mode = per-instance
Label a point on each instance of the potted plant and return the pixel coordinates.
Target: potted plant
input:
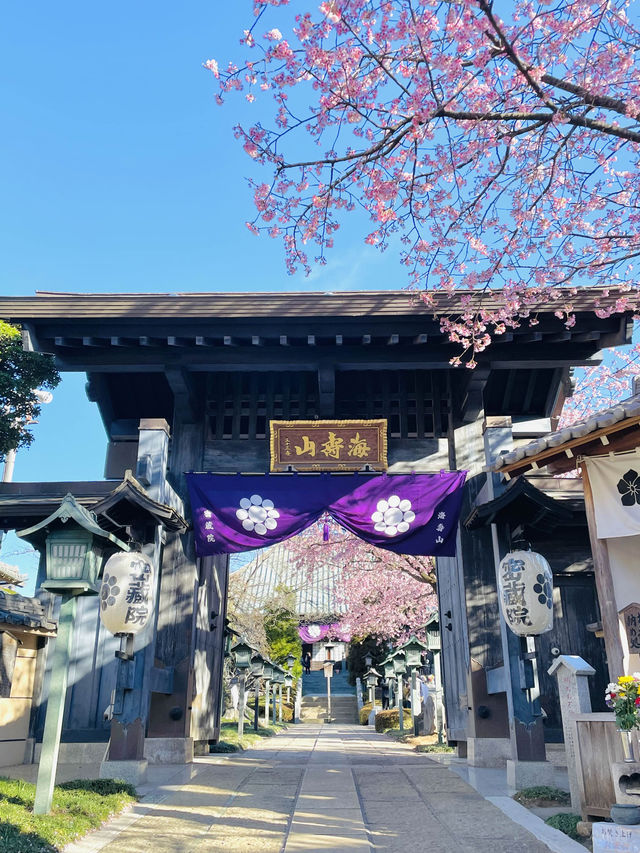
(624, 700)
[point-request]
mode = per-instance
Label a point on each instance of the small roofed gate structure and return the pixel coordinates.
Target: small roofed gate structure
(217, 368)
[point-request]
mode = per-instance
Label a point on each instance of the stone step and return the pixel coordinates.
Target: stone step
(344, 709)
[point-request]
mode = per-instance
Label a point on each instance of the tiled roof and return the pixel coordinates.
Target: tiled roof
(10, 574)
(26, 612)
(600, 420)
(390, 303)
(255, 583)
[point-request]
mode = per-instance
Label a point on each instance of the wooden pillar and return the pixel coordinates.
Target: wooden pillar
(604, 587)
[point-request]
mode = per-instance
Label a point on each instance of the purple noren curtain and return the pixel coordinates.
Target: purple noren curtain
(405, 513)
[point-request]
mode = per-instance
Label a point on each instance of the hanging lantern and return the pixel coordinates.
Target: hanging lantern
(526, 593)
(126, 594)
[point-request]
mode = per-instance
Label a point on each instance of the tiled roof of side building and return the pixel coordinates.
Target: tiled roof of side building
(600, 420)
(23, 612)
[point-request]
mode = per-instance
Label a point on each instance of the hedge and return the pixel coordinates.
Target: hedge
(391, 720)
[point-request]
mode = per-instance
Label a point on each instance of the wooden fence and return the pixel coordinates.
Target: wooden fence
(598, 746)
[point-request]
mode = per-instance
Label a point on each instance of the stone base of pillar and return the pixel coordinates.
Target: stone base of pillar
(134, 772)
(168, 750)
(527, 774)
(488, 751)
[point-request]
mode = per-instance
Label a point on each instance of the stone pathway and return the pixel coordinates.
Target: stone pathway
(343, 789)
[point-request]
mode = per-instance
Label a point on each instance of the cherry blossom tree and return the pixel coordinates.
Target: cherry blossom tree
(387, 596)
(384, 603)
(490, 150)
(602, 386)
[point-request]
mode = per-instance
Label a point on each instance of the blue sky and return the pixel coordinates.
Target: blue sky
(120, 173)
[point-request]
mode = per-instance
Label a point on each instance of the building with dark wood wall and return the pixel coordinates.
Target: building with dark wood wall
(218, 367)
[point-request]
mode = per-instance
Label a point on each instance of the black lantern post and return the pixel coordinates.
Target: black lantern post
(372, 678)
(399, 668)
(242, 652)
(278, 680)
(257, 670)
(288, 680)
(267, 674)
(413, 650)
(388, 670)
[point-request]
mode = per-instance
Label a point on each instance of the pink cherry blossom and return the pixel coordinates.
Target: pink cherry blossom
(489, 152)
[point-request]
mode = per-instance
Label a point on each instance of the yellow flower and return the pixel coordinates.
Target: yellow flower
(626, 679)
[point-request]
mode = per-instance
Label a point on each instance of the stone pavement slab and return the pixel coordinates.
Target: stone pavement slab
(333, 788)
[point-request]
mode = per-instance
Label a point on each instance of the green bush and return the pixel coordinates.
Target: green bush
(566, 823)
(391, 720)
(539, 794)
(435, 747)
(364, 714)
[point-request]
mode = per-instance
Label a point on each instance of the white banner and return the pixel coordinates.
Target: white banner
(615, 485)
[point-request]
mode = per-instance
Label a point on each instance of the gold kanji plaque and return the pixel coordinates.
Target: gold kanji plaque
(329, 445)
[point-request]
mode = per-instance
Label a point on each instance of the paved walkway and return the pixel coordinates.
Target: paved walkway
(318, 788)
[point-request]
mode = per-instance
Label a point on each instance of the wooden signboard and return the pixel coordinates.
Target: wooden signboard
(329, 445)
(631, 619)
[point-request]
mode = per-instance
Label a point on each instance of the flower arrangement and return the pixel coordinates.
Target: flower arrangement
(624, 699)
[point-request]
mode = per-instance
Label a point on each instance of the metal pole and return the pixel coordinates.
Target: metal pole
(414, 710)
(267, 702)
(256, 710)
(279, 703)
(241, 707)
(400, 705)
(328, 699)
(55, 708)
(275, 703)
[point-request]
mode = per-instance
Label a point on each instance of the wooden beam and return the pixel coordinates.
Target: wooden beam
(327, 390)
(582, 337)
(604, 587)
(181, 385)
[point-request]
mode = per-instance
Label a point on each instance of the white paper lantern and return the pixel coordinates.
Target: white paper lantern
(126, 594)
(526, 593)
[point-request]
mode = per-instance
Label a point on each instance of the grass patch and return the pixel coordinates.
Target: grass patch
(542, 795)
(435, 747)
(78, 807)
(230, 742)
(566, 823)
